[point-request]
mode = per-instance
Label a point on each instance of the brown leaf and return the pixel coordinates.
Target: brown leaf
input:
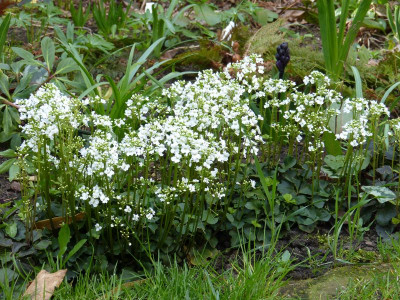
(42, 288)
(293, 15)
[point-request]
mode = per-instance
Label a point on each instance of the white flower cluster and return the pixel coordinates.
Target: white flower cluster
(248, 68)
(365, 108)
(355, 131)
(94, 196)
(365, 114)
(306, 115)
(144, 109)
(101, 157)
(206, 123)
(215, 103)
(318, 79)
(45, 113)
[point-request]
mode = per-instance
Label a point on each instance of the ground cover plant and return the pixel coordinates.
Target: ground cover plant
(192, 149)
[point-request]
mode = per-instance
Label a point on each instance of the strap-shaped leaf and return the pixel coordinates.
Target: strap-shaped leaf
(3, 33)
(357, 77)
(390, 17)
(327, 22)
(352, 33)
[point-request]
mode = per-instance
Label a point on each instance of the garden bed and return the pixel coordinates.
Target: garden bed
(233, 147)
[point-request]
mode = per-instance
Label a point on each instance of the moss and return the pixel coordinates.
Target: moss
(327, 285)
(303, 58)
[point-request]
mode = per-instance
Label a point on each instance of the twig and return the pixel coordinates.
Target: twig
(10, 103)
(143, 5)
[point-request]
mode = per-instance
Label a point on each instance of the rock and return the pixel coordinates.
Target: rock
(15, 186)
(327, 285)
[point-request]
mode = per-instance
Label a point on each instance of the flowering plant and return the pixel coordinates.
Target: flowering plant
(179, 163)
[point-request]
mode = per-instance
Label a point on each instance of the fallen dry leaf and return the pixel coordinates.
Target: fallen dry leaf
(42, 288)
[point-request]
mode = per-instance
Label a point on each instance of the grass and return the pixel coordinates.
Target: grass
(381, 286)
(248, 276)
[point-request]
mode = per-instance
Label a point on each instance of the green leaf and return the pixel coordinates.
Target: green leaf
(211, 219)
(357, 77)
(395, 221)
(381, 193)
(63, 239)
(390, 17)
(205, 13)
(67, 65)
(4, 85)
(362, 9)
(42, 245)
(384, 215)
(48, 51)
(7, 120)
(13, 172)
(289, 199)
(87, 76)
(288, 162)
(27, 56)
(256, 224)
(7, 275)
(11, 230)
(5, 24)
(327, 24)
(75, 249)
(9, 153)
(332, 145)
(285, 256)
(334, 162)
(5, 166)
(6, 243)
(251, 206)
(387, 93)
(265, 16)
(230, 218)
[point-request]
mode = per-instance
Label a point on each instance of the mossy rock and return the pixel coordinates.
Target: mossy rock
(328, 285)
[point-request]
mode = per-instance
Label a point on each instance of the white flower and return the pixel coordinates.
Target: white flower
(252, 183)
(98, 227)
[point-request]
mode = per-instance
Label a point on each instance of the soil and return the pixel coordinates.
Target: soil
(312, 254)
(8, 190)
(309, 251)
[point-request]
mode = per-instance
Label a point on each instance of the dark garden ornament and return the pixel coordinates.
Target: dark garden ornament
(282, 58)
